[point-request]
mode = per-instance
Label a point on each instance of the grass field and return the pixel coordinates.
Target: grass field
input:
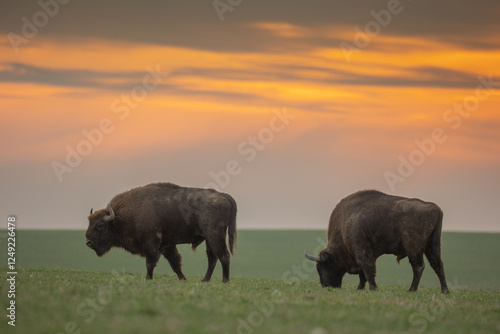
(62, 287)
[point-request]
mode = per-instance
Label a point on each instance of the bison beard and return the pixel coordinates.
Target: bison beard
(151, 220)
(369, 223)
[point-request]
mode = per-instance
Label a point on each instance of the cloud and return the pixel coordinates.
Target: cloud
(196, 24)
(204, 81)
(25, 73)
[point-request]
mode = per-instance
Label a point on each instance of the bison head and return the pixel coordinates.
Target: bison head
(329, 273)
(101, 231)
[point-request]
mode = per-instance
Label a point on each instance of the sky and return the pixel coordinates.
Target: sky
(288, 106)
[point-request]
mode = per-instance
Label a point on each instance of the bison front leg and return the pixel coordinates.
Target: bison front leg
(369, 271)
(362, 281)
(174, 258)
(151, 261)
(367, 264)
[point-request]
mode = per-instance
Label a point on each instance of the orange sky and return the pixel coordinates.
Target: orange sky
(365, 111)
(42, 108)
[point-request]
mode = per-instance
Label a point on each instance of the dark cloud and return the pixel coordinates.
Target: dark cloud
(23, 73)
(417, 77)
(196, 24)
(414, 77)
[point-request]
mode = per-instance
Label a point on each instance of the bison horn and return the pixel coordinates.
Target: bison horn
(91, 210)
(111, 215)
(312, 258)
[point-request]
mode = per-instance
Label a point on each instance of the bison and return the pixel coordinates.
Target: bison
(153, 219)
(369, 223)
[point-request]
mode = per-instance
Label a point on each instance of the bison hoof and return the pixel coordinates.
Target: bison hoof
(445, 291)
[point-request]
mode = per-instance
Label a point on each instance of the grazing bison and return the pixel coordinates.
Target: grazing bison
(152, 220)
(369, 223)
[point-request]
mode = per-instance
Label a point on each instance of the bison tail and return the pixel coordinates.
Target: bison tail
(435, 239)
(232, 226)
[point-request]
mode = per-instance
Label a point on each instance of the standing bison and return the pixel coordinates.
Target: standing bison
(152, 220)
(369, 223)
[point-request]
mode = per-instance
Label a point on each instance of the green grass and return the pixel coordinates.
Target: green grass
(63, 287)
(470, 259)
(70, 301)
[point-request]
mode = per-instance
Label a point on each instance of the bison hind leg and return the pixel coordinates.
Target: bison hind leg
(224, 260)
(212, 261)
(217, 249)
(418, 265)
(434, 257)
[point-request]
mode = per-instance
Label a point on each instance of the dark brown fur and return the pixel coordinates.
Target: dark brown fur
(369, 223)
(151, 220)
